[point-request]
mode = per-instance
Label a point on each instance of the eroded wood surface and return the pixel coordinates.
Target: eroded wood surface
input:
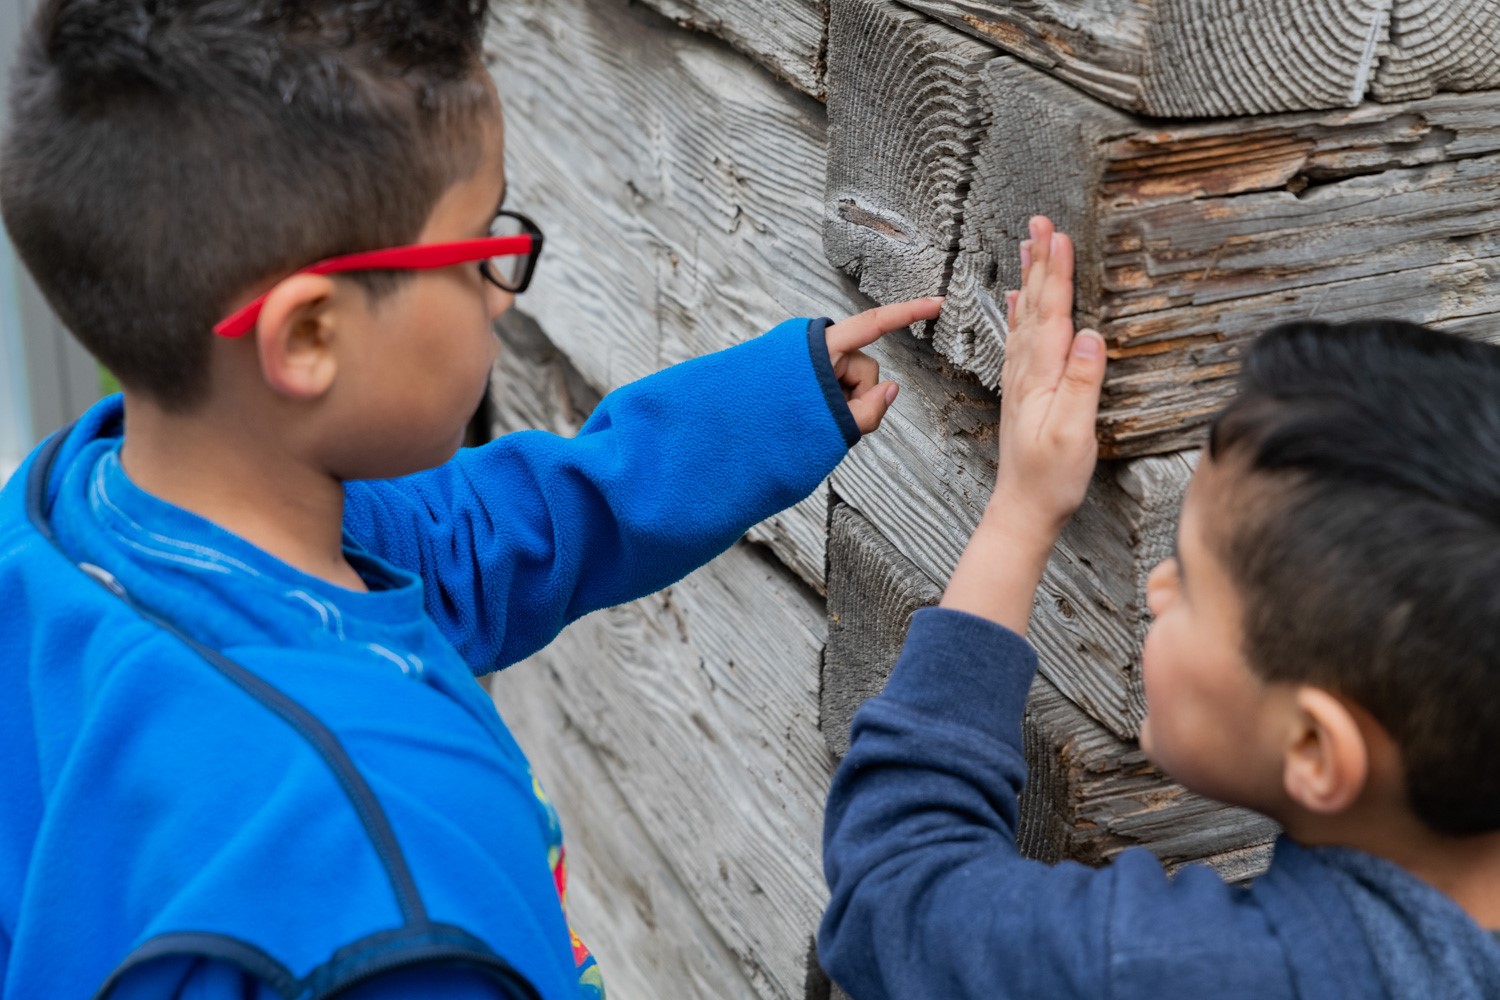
(625, 899)
(1200, 58)
(680, 187)
(1192, 238)
(788, 37)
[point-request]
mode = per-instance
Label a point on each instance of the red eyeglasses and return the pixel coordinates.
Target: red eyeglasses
(507, 259)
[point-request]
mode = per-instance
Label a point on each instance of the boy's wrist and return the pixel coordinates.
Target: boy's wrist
(998, 574)
(1014, 518)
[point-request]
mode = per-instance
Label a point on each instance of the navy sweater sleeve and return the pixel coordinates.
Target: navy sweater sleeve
(930, 896)
(518, 538)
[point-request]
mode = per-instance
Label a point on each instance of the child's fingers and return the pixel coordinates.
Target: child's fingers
(857, 372)
(869, 407)
(1040, 260)
(869, 326)
(1078, 392)
(1056, 294)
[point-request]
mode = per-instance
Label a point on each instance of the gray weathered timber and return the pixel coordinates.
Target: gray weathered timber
(699, 708)
(681, 190)
(1191, 238)
(786, 36)
(1203, 58)
(905, 119)
(625, 900)
(925, 478)
(1089, 796)
(702, 703)
(872, 593)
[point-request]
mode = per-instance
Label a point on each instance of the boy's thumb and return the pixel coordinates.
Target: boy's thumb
(1085, 372)
(870, 406)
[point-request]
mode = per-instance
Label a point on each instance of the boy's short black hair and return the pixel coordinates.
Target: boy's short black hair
(1362, 527)
(164, 156)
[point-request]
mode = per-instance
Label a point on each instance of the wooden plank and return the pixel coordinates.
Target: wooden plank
(681, 190)
(535, 385)
(1201, 58)
(1192, 239)
(624, 898)
(902, 135)
(926, 478)
(872, 593)
(788, 37)
(1090, 794)
(702, 703)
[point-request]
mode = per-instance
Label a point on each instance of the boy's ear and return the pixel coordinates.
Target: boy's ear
(294, 337)
(1327, 764)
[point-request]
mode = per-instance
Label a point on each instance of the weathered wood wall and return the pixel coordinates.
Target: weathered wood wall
(707, 168)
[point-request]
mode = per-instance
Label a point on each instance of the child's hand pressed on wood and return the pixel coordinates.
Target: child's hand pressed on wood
(1049, 400)
(857, 372)
(1049, 391)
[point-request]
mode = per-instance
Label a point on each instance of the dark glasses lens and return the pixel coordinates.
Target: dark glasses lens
(512, 272)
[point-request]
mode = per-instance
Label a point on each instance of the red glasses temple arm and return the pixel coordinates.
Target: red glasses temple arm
(418, 257)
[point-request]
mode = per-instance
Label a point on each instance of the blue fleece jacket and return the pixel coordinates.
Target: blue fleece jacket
(932, 901)
(226, 778)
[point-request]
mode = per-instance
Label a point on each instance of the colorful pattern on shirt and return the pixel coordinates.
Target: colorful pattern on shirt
(590, 979)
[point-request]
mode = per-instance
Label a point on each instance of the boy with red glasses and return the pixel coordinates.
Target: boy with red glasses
(245, 756)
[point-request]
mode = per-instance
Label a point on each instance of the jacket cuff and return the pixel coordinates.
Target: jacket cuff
(965, 669)
(833, 395)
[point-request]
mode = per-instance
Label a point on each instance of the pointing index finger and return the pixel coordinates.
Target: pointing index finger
(869, 326)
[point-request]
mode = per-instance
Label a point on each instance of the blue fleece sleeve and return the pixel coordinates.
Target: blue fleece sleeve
(518, 538)
(929, 894)
(208, 979)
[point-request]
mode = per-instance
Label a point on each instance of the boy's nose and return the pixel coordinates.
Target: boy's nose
(1158, 583)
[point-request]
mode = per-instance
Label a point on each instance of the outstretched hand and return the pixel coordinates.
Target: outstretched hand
(1049, 399)
(1049, 391)
(858, 374)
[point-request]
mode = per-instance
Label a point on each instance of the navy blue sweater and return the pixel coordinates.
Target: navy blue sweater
(932, 901)
(226, 778)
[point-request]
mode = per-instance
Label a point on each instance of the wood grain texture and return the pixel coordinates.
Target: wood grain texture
(625, 899)
(872, 593)
(925, 478)
(905, 119)
(788, 37)
(1192, 238)
(681, 190)
(1216, 58)
(1090, 794)
(702, 702)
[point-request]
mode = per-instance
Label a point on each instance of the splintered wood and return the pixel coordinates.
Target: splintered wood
(1192, 238)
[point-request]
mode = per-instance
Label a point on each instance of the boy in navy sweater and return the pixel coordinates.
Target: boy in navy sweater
(244, 753)
(1324, 650)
